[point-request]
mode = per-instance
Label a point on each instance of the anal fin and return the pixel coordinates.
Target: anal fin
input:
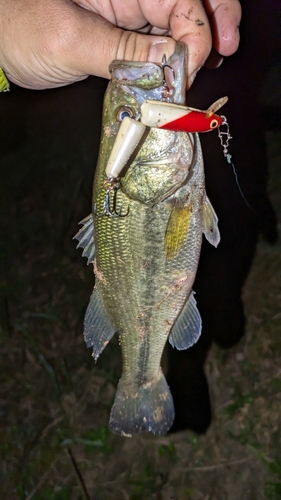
(97, 327)
(187, 328)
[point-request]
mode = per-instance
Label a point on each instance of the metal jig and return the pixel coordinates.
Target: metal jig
(167, 92)
(110, 184)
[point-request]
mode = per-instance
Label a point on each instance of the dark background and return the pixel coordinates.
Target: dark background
(48, 150)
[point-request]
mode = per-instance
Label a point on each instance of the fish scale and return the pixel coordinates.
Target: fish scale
(146, 260)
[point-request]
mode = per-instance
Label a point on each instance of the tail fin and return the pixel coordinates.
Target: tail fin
(148, 407)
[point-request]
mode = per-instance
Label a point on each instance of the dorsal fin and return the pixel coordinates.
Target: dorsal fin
(85, 236)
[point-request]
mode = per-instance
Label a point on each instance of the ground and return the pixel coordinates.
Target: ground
(55, 401)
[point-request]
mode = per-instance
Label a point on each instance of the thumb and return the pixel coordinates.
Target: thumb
(99, 43)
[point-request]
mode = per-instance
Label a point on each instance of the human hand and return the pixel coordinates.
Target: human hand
(51, 43)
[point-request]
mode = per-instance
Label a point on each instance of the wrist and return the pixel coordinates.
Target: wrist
(4, 84)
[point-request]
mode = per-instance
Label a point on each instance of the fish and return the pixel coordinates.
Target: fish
(144, 238)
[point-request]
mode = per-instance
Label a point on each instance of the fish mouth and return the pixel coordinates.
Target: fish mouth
(150, 76)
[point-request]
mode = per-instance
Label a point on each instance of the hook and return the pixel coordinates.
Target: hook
(166, 65)
(167, 91)
(110, 184)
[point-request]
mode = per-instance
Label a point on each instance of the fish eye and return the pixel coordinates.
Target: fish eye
(123, 112)
(214, 123)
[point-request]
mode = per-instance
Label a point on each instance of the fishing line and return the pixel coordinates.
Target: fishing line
(225, 137)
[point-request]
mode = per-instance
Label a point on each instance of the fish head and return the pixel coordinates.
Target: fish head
(163, 157)
(134, 82)
(131, 83)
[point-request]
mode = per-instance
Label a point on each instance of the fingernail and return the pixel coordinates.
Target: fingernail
(157, 50)
(214, 60)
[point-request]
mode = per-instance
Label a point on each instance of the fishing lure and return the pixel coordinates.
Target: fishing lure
(178, 118)
(163, 115)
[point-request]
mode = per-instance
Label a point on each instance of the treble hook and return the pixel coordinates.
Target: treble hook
(110, 184)
(167, 91)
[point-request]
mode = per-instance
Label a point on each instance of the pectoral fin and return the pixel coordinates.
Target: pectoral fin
(85, 236)
(177, 230)
(97, 327)
(210, 223)
(187, 329)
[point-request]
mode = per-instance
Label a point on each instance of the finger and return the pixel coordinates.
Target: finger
(189, 23)
(121, 13)
(225, 17)
(186, 20)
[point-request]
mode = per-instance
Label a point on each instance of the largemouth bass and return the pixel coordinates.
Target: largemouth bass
(145, 259)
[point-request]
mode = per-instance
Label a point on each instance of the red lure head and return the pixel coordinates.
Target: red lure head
(195, 121)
